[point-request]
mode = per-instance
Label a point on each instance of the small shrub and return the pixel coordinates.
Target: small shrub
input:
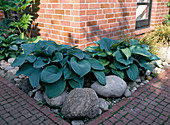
(122, 58)
(57, 66)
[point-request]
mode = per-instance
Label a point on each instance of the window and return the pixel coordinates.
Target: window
(143, 13)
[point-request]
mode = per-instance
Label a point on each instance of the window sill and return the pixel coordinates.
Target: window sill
(142, 31)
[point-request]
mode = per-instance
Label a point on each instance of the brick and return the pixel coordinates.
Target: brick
(59, 11)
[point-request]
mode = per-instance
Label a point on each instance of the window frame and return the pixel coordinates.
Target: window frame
(149, 4)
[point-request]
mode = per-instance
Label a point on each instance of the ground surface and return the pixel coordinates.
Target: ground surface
(148, 105)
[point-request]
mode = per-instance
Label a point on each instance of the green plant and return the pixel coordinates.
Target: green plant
(10, 47)
(57, 66)
(122, 58)
(18, 6)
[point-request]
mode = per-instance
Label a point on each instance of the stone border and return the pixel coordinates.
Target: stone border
(152, 85)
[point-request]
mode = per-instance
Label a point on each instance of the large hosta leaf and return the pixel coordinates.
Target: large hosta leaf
(104, 62)
(116, 43)
(141, 51)
(134, 42)
(143, 63)
(119, 65)
(33, 74)
(39, 63)
(105, 44)
(55, 89)
(126, 52)
(57, 57)
(76, 82)
(81, 67)
(119, 73)
(133, 72)
(78, 53)
(28, 48)
(51, 74)
(31, 58)
(68, 73)
(122, 59)
(91, 49)
(100, 76)
(19, 60)
(95, 64)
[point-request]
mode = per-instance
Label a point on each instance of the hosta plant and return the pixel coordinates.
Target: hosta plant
(122, 58)
(10, 46)
(57, 66)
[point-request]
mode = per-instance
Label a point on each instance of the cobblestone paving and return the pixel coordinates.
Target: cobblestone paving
(17, 108)
(149, 105)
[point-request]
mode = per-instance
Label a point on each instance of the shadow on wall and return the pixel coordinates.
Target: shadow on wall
(117, 26)
(33, 30)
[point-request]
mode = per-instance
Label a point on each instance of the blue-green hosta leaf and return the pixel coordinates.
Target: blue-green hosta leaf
(141, 51)
(28, 48)
(126, 52)
(100, 76)
(33, 74)
(57, 57)
(64, 61)
(55, 89)
(121, 74)
(95, 64)
(112, 66)
(105, 44)
(19, 60)
(134, 42)
(143, 63)
(51, 74)
(122, 59)
(133, 72)
(39, 63)
(31, 58)
(2, 57)
(81, 67)
(76, 82)
(109, 53)
(68, 73)
(120, 65)
(104, 62)
(14, 47)
(117, 43)
(19, 41)
(146, 47)
(91, 49)
(153, 57)
(101, 54)
(78, 53)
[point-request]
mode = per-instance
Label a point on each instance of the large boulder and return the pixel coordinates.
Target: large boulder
(115, 87)
(81, 103)
(57, 101)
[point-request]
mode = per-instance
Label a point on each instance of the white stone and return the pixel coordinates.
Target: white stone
(55, 111)
(57, 101)
(11, 60)
(157, 70)
(146, 81)
(2, 73)
(141, 84)
(137, 86)
(149, 78)
(165, 64)
(134, 89)
(127, 93)
(148, 73)
(115, 87)
(38, 96)
(138, 79)
(30, 93)
(77, 122)
(103, 105)
(100, 111)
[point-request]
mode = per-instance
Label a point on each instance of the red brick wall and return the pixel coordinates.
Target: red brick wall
(1, 15)
(80, 22)
(159, 11)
